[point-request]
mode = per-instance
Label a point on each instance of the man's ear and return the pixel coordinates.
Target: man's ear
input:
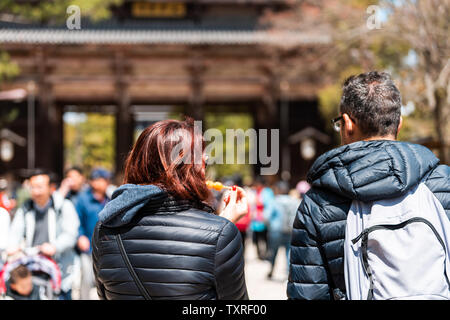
(400, 124)
(348, 124)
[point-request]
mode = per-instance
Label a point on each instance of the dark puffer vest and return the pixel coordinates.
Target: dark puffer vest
(366, 171)
(178, 249)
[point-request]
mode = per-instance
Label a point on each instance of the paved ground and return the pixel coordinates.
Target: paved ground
(258, 286)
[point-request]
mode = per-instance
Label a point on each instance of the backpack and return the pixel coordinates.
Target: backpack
(398, 248)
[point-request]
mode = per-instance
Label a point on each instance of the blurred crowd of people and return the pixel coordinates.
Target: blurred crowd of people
(55, 220)
(272, 209)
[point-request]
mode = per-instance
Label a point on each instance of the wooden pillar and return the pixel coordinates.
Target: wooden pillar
(285, 147)
(49, 146)
(195, 107)
(57, 127)
(40, 114)
(124, 120)
(258, 123)
(269, 118)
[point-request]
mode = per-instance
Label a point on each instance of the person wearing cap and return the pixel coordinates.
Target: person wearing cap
(90, 203)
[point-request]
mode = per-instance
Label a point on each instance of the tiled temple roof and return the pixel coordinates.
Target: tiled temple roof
(191, 37)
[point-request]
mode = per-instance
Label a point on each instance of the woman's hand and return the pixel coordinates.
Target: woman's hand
(235, 204)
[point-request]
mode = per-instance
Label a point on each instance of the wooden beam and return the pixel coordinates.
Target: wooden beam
(196, 69)
(124, 121)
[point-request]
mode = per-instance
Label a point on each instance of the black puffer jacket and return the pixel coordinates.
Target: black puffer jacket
(179, 250)
(365, 171)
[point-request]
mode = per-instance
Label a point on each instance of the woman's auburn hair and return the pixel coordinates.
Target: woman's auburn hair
(168, 154)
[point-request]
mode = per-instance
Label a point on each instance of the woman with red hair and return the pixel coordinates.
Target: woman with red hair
(158, 237)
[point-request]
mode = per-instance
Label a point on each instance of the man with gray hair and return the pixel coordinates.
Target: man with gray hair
(365, 179)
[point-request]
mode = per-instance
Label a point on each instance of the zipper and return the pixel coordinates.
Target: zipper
(366, 232)
(130, 268)
(365, 235)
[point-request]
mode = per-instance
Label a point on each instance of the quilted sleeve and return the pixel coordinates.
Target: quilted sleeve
(229, 265)
(307, 273)
(439, 183)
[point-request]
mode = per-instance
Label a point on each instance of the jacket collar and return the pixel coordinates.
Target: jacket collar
(372, 170)
(129, 199)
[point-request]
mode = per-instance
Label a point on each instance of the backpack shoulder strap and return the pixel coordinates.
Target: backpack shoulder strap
(58, 209)
(26, 207)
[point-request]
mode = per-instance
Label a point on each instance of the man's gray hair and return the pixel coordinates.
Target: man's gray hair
(374, 102)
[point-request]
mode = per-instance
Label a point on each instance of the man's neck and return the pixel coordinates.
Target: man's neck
(390, 137)
(387, 138)
(100, 197)
(42, 206)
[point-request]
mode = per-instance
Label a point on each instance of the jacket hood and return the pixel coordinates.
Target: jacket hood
(126, 201)
(372, 170)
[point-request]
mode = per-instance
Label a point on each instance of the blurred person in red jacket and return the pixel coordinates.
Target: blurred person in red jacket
(242, 225)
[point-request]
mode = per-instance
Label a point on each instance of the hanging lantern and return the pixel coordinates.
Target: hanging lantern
(6, 150)
(308, 148)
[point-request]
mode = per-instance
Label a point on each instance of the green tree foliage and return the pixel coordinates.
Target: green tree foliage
(7, 69)
(222, 122)
(54, 12)
(8, 115)
(90, 143)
